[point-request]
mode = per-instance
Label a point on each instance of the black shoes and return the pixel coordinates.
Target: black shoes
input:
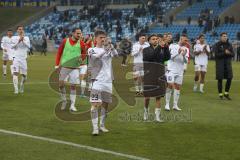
(227, 97)
(222, 96)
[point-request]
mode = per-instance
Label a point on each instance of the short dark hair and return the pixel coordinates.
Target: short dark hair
(75, 29)
(160, 35)
(9, 30)
(152, 35)
(99, 32)
(223, 33)
(141, 35)
(200, 36)
(184, 35)
(19, 26)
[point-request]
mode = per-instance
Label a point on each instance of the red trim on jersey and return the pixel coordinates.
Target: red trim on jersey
(89, 44)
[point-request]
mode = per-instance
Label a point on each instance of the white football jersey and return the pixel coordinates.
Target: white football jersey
(177, 61)
(136, 53)
(201, 59)
(21, 49)
(7, 44)
(101, 64)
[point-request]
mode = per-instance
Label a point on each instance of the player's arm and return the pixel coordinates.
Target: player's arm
(196, 52)
(174, 51)
(93, 55)
(229, 52)
(16, 42)
(219, 53)
(59, 53)
(26, 42)
(135, 50)
(113, 52)
(185, 55)
(83, 51)
(3, 41)
(206, 49)
(183, 52)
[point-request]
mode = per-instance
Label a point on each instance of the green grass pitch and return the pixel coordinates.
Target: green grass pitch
(206, 129)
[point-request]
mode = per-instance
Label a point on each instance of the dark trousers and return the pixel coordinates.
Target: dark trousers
(227, 85)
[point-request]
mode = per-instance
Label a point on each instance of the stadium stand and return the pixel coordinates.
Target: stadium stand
(128, 22)
(209, 25)
(212, 6)
(123, 22)
(194, 30)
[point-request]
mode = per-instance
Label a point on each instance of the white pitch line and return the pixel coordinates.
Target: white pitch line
(30, 83)
(73, 145)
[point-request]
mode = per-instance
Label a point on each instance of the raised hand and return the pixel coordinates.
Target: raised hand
(227, 51)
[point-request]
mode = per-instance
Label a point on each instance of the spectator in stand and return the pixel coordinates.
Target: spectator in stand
(200, 22)
(127, 18)
(44, 45)
(189, 20)
(55, 9)
(220, 3)
(216, 21)
(210, 25)
(171, 19)
(214, 33)
(135, 23)
(184, 31)
(131, 24)
(238, 36)
(231, 20)
(118, 31)
(105, 25)
(226, 20)
(190, 2)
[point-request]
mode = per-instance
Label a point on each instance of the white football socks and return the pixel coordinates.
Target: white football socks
(11, 69)
(176, 97)
(195, 86)
(83, 86)
(137, 88)
(146, 109)
(63, 94)
(94, 116)
(103, 117)
(141, 88)
(168, 95)
(201, 87)
(4, 69)
(157, 113)
(73, 97)
(23, 80)
(15, 83)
